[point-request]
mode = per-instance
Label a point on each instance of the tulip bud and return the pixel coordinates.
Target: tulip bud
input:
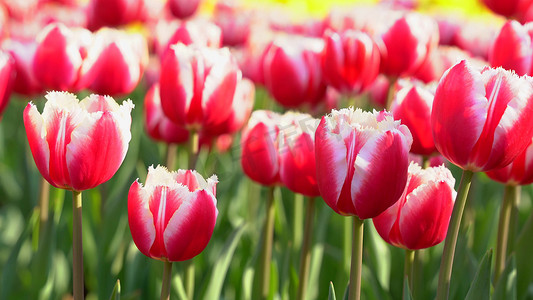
(420, 218)
(78, 145)
(173, 216)
(361, 160)
(481, 119)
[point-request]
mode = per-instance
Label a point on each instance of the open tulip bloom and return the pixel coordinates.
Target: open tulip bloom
(173, 216)
(362, 160)
(78, 145)
(481, 120)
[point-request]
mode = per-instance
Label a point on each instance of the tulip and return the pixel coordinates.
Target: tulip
(115, 62)
(182, 9)
(407, 43)
(440, 60)
(412, 105)
(113, 13)
(234, 21)
(172, 217)
(292, 71)
(476, 37)
(511, 49)
(361, 160)
(197, 85)
(57, 59)
(480, 122)
(78, 145)
(350, 61)
(23, 53)
(506, 8)
(420, 218)
(6, 80)
(260, 155)
(518, 172)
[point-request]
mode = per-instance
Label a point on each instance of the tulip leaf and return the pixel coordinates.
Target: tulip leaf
(407, 291)
(480, 287)
(115, 295)
(317, 253)
(506, 285)
(524, 263)
(222, 264)
(331, 294)
(346, 295)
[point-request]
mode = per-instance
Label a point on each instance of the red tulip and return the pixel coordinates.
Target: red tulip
(481, 120)
(420, 218)
(198, 85)
(412, 105)
(434, 161)
(78, 145)
(234, 21)
(6, 79)
(260, 156)
(182, 9)
(407, 43)
(22, 53)
(440, 60)
(172, 218)
(197, 31)
(157, 125)
(350, 61)
(518, 172)
(378, 91)
(476, 37)
(292, 70)
(101, 13)
(297, 153)
(512, 49)
(115, 62)
(505, 8)
(58, 59)
(361, 160)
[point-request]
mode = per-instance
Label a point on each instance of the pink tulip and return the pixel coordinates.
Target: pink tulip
(23, 53)
(157, 125)
(511, 49)
(361, 160)
(407, 43)
(420, 218)
(198, 85)
(78, 145)
(297, 153)
(292, 71)
(412, 105)
(476, 37)
(260, 156)
(101, 13)
(350, 61)
(6, 80)
(481, 120)
(234, 21)
(58, 59)
(196, 31)
(505, 8)
(518, 172)
(182, 9)
(173, 216)
(115, 62)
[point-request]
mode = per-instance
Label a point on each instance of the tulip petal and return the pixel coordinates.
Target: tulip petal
(140, 219)
(33, 122)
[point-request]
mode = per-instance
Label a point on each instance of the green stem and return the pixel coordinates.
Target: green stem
(167, 277)
(390, 93)
(77, 248)
(503, 230)
(171, 156)
(189, 278)
(417, 283)
(357, 259)
(193, 149)
(347, 244)
(513, 224)
(408, 268)
(451, 236)
(44, 198)
(425, 162)
(266, 255)
(305, 257)
(298, 220)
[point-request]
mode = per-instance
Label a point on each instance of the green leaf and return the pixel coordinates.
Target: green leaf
(346, 292)
(506, 285)
(407, 291)
(331, 294)
(480, 287)
(115, 295)
(222, 264)
(524, 262)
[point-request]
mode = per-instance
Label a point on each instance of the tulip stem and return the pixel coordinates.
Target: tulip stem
(446, 264)
(171, 156)
(408, 268)
(390, 92)
(513, 224)
(305, 257)
(193, 149)
(189, 279)
(509, 196)
(298, 220)
(425, 162)
(167, 277)
(357, 259)
(347, 243)
(266, 255)
(77, 248)
(44, 198)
